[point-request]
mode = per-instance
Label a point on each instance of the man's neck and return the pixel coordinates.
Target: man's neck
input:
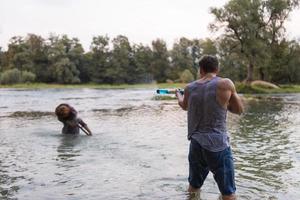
(208, 76)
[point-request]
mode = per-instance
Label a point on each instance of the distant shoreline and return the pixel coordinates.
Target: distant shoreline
(241, 88)
(93, 86)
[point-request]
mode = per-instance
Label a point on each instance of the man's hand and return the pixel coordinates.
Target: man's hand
(182, 99)
(177, 93)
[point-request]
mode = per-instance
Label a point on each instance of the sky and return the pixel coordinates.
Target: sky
(140, 20)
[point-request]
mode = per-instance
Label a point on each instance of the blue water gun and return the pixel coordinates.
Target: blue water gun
(169, 91)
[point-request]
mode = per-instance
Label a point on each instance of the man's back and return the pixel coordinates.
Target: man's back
(207, 101)
(206, 116)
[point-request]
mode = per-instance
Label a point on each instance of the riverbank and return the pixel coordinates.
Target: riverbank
(241, 88)
(250, 89)
(93, 86)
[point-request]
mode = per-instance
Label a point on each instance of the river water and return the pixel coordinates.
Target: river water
(139, 147)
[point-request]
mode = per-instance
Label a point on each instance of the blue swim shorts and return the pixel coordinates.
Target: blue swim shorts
(201, 161)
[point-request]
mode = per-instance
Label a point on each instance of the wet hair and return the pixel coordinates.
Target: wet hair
(62, 109)
(209, 63)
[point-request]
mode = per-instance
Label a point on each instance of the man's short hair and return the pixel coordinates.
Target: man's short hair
(209, 63)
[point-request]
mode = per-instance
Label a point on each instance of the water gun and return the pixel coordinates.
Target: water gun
(169, 91)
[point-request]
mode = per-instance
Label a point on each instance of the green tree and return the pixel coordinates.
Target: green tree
(284, 66)
(18, 55)
(186, 76)
(25, 54)
(1, 59)
(64, 56)
(232, 63)
(98, 59)
(186, 53)
(208, 47)
(182, 58)
(121, 69)
(86, 69)
(293, 62)
(37, 54)
(161, 61)
(142, 56)
(254, 26)
(11, 76)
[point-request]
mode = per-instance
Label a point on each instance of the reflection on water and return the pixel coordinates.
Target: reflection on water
(262, 146)
(66, 150)
(139, 147)
(7, 183)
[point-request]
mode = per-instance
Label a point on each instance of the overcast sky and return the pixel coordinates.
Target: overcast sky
(140, 20)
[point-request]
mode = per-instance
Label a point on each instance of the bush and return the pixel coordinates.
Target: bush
(75, 80)
(28, 77)
(186, 76)
(11, 76)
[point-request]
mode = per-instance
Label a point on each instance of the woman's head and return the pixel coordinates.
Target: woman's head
(64, 111)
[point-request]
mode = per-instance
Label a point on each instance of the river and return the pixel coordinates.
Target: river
(139, 147)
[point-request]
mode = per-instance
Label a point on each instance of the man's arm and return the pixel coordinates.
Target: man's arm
(182, 99)
(235, 104)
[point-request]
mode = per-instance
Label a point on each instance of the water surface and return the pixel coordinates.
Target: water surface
(139, 147)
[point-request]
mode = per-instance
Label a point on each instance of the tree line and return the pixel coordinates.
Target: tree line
(60, 59)
(253, 45)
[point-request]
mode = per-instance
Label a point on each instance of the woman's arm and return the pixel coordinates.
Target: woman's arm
(84, 125)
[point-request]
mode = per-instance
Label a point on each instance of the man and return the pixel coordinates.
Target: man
(207, 101)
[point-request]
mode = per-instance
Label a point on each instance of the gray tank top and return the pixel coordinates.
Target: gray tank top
(206, 117)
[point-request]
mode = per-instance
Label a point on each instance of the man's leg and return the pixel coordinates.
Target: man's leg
(229, 197)
(221, 164)
(198, 169)
(192, 189)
